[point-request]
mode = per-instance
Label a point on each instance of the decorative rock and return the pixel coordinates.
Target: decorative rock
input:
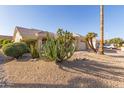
(26, 56)
(9, 58)
(34, 60)
(1, 60)
(3, 81)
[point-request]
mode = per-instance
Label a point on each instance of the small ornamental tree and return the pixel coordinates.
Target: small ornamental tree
(116, 41)
(89, 40)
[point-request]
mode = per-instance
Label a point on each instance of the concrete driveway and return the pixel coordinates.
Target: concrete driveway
(115, 53)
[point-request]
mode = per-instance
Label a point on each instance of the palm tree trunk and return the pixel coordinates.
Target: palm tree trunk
(101, 48)
(91, 41)
(88, 43)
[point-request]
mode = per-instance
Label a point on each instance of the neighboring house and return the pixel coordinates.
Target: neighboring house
(5, 37)
(81, 43)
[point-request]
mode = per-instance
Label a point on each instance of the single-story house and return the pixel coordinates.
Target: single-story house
(23, 34)
(26, 34)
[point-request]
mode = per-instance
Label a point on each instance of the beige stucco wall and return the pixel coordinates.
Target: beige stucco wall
(82, 46)
(18, 37)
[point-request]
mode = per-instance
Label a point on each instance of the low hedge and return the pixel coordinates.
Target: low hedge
(15, 49)
(4, 42)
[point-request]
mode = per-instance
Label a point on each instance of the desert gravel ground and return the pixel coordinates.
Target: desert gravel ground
(3, 79)
(83, 69)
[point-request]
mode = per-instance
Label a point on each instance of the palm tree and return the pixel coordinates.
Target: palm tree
(89, 40)
(101, 48)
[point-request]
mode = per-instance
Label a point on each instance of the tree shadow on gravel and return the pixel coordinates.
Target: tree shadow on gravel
(117, 56)
(99, 69)
(93, 68)
(77, 82)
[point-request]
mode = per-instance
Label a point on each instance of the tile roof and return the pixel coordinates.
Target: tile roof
(28, 33)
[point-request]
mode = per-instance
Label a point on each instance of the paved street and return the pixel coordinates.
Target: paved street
(118, 54)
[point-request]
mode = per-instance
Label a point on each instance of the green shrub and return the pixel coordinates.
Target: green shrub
(15, 49)
(59, 48)
(4, 42)
(1, 42)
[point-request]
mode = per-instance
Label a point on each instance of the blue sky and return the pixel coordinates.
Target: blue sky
(78, 19)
